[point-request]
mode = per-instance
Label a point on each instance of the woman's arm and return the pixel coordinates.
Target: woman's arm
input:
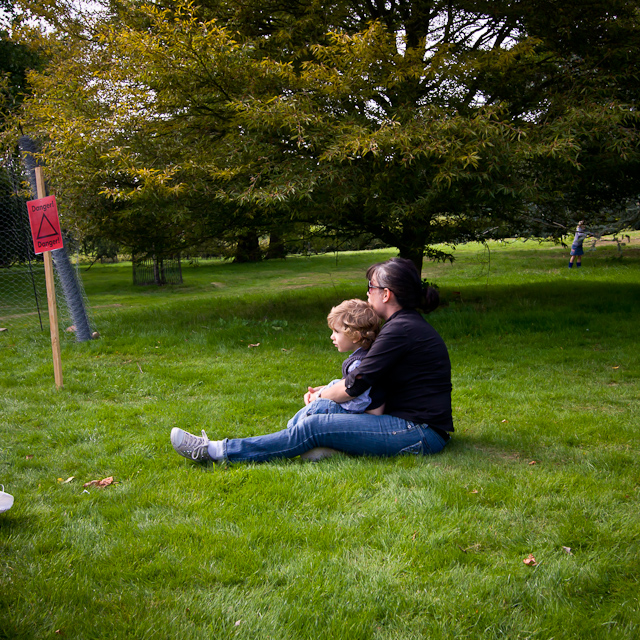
(390, 346)
(336, 393)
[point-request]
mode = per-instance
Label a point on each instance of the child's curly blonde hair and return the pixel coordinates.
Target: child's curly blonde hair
(357, 319)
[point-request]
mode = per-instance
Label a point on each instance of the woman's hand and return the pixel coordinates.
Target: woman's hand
(312, 393)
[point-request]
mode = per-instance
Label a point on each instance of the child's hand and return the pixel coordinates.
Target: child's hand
(312, 394)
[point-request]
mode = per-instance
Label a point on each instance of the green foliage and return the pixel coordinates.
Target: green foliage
(15, 60)
(416, 123)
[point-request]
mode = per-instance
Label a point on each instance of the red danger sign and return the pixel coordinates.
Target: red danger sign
(45, 226)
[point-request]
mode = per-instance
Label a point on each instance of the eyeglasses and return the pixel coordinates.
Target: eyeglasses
(373, 286)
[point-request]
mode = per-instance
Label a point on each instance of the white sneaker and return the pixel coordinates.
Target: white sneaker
(6, 500)
(190, 446)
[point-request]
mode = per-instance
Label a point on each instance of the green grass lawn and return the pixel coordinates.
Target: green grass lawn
(544, 461)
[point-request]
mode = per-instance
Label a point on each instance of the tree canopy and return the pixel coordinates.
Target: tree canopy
(413, 121)
(15, 61)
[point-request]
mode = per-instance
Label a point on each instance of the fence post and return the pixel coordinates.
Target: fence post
(51, 295)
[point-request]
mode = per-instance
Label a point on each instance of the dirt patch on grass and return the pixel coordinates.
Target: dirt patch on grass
(298, 286)
(491, 451)
(19, 315)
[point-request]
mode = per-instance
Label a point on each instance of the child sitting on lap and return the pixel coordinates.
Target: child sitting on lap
(354, 326)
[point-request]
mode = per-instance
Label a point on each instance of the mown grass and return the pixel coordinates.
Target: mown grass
(545, 456)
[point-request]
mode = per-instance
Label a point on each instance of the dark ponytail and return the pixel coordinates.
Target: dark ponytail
(401, 276)
(431, 297)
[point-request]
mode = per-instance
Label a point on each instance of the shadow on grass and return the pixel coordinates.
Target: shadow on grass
(15, 522)
(463, 445)
(478, 311)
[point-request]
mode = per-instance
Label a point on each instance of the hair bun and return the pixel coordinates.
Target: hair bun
(430, 297)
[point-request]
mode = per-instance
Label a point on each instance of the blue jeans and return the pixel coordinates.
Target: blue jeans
(353, 433)
(321, 405)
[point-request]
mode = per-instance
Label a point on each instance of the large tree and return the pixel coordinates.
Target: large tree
(15, 60)
(414, 121)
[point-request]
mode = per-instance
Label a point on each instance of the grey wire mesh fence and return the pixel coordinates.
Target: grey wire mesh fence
(23, 293)
(157, 271)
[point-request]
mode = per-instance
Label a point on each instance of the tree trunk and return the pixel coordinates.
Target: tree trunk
(248, 248)
(411, 245)
(157, 270)
(276, 246)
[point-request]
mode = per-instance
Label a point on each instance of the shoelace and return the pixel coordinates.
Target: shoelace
(200, 447)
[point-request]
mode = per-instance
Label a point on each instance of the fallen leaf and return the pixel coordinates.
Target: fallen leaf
(533, 462)
(29, 456)
(530, 561)
(505, 421)
(475, 491)
(257, 344)
(70, 329)
(3, 328)
(105, 482)
(617, 367)
(567, 550)
(238, 623)
(415, 533)
(68, 479)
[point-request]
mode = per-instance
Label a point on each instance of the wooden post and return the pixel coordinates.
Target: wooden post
(51, 295)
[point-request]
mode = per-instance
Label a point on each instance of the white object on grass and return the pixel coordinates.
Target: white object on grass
(318, 453)
(6, 500)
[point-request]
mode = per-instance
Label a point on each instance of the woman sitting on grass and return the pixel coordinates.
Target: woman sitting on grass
(408, 361)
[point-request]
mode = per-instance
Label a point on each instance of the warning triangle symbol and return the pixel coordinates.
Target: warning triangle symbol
(46, 230)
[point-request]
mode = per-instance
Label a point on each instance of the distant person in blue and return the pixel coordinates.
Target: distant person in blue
(576, 246)
(408, 363)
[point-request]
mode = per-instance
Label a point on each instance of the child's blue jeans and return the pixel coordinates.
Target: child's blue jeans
(321, 405)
